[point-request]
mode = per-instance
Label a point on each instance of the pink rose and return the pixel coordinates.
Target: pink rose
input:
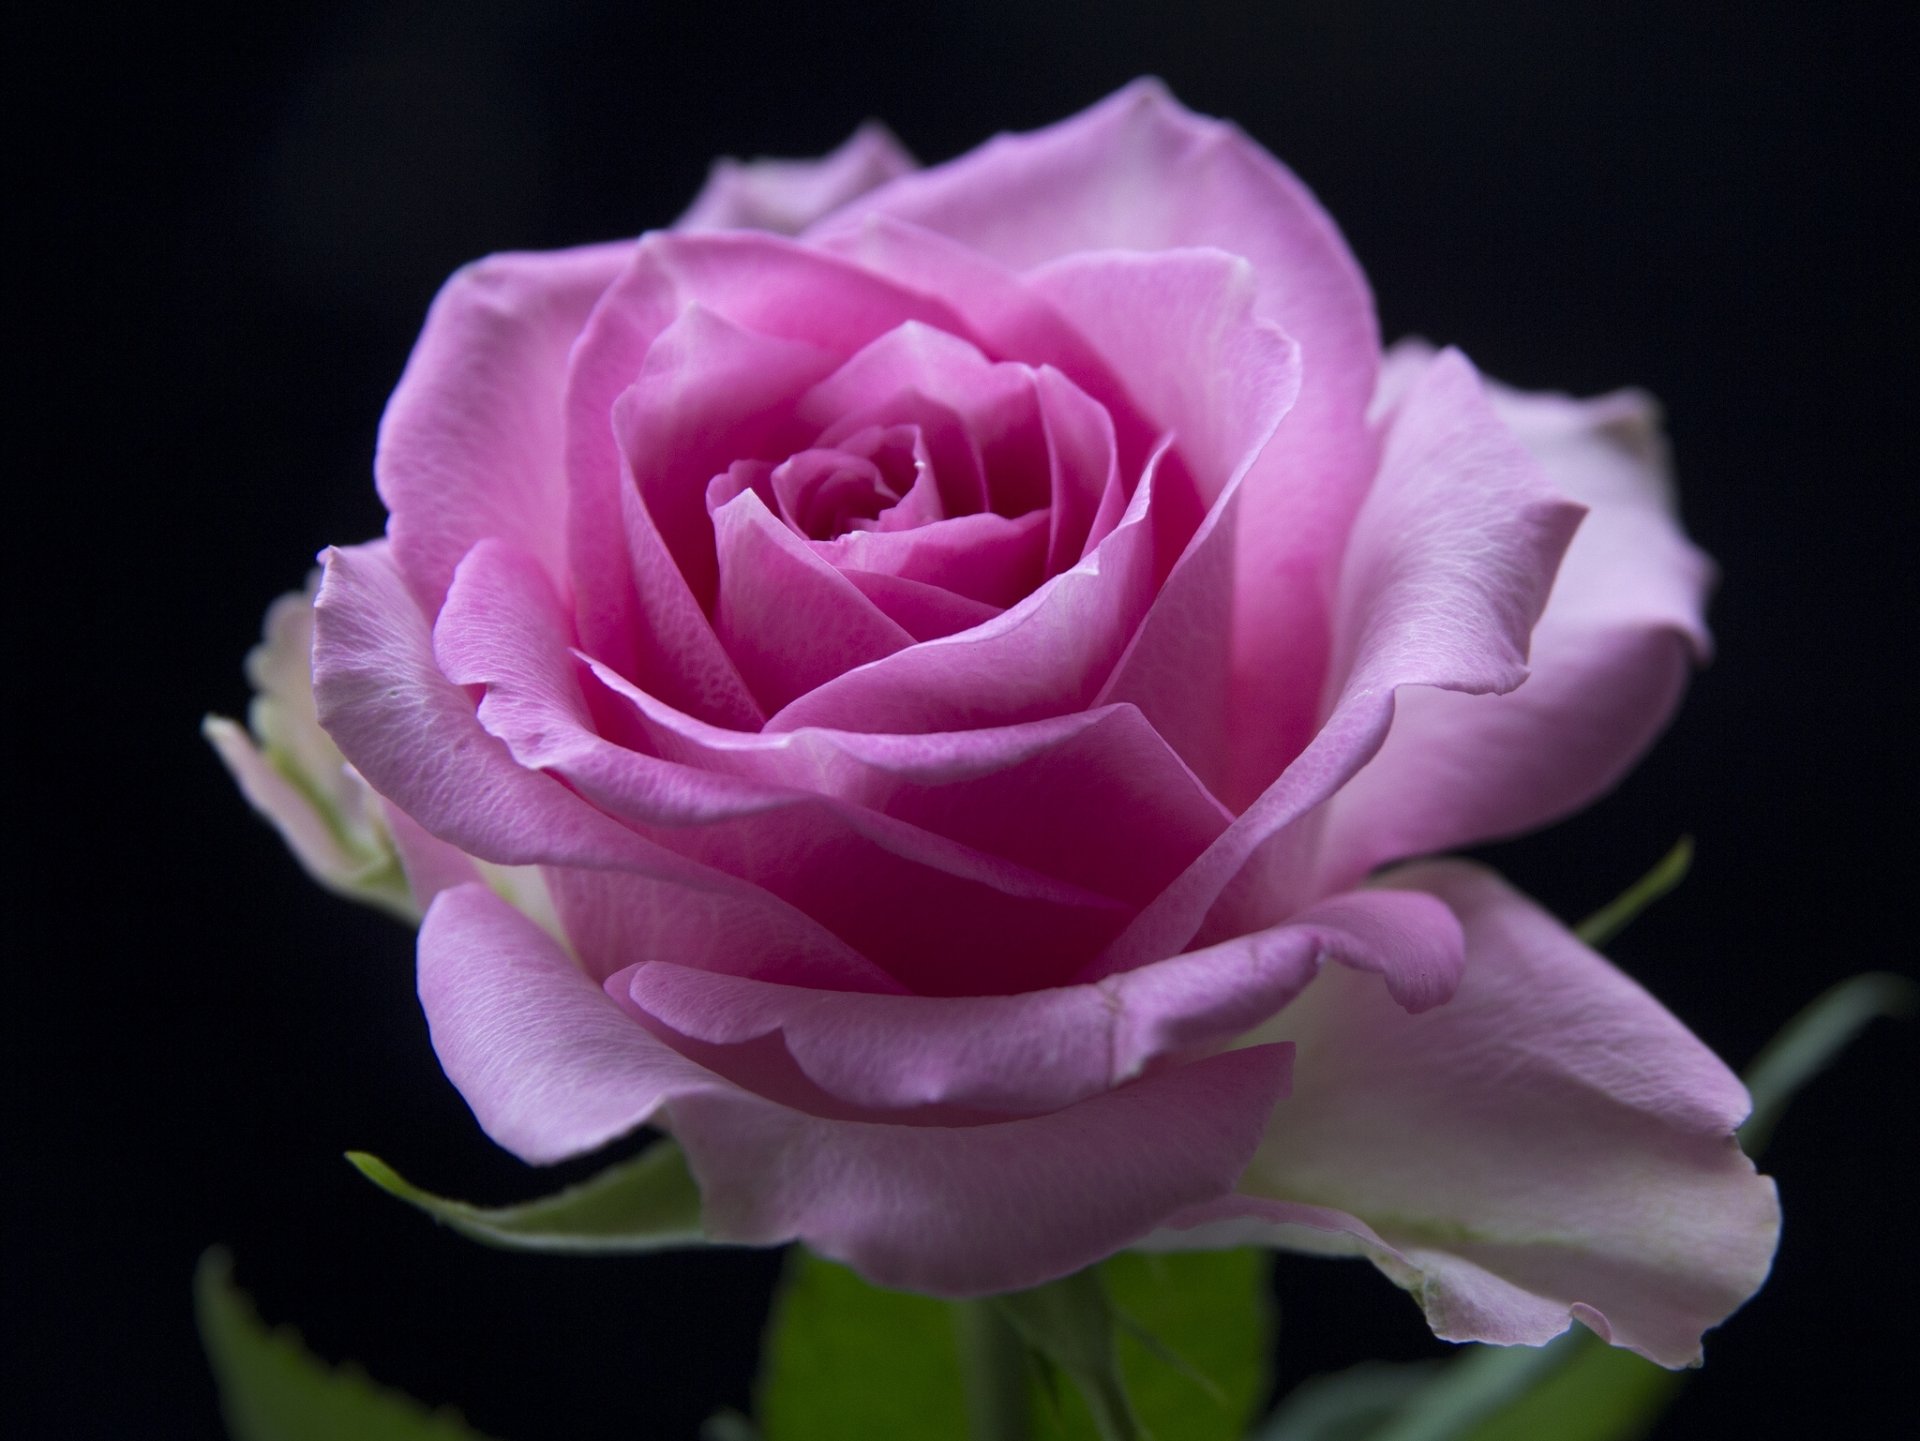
(943, 685)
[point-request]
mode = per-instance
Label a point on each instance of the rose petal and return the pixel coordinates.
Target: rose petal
(1095, 797)
(550, 1066)
(786, 196)
(925, 612)
(1042, 657)
(1222, 383)
(788, 619)
(1042, 1050)
(1551, 1144)
(973, 1210)
(471, 444)
(934, 912)
(1609, 661)
(1139, 172)
(758, 285)
(386, 702)
(1453, 483)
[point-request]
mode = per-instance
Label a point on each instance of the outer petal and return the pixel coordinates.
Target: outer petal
(550, 1066)
(416, 738)
(1446, 572)
(971, 1210)
(789, 195)
(1610, 656)
(1552, 1144)
(472, 443)
(1040, 1050)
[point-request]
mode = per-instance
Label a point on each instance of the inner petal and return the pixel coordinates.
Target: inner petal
(858, 483)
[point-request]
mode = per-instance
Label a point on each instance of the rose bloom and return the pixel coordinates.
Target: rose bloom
(924, 684)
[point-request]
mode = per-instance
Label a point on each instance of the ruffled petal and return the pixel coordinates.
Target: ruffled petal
(1610, 657)
(1447, 570)
(472, 442)
(786, 196)
(1095, 797)
(550, 1066)
(757, 285)
(1550, 1145)
(1139, 172)
(1041, 1050)
(937, 913)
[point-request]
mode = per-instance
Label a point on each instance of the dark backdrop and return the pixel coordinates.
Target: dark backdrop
(238, 219)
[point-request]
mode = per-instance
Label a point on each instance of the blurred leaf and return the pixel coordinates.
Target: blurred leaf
(1614, 917)
(273, 1389)
(647, 1204)
(843, 1358)
(1071, 1324)
(1348, 1405)
(1807, 1044)
(1598, 1393)
(1196, 1336)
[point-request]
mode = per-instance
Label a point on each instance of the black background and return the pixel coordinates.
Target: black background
(237, 219)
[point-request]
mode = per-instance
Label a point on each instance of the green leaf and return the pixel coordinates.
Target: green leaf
(1614, 917)
(647, 1204)
(1349, 1405)
(1807, 1044)
(273, 1389)
(1196, 1335)
(1192, 1331)
(843, 1358)
(1597, 1393)
(1071, 1324)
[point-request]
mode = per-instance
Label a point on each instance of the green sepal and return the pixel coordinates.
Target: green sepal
(273, 1389)
(649, 1203)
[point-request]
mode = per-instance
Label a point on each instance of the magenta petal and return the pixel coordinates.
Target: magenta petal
(758, 285)
(1094, 797)
(1610, 657)
(1139, 172)
(789, 620)
(1043, 657)
(1551, 1144)
(786, 196)
(1041, 1050)
(550, 1066)
(988, 559)
(472, 444)
(1181, 331)
(383, 699)
(615, 919)
(933, 911)
(1453, 481)
(972, 1210)
(925, 612)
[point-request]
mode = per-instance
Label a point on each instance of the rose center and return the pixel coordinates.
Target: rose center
(854, 485)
